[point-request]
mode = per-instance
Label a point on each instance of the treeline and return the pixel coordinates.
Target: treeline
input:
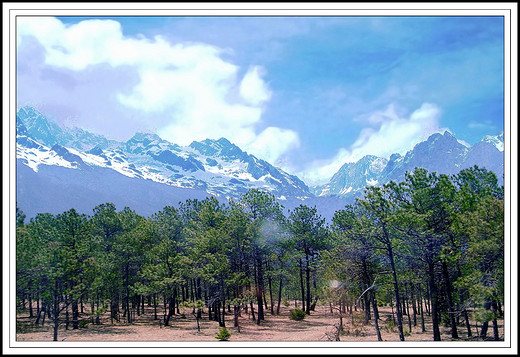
(432, 244)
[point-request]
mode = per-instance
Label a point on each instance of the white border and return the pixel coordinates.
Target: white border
(11, 10)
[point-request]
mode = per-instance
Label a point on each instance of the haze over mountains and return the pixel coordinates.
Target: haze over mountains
(61, 168)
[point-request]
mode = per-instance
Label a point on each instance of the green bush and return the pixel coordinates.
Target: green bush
(83, 323)
(297, 314)
(223, 334)
(390, 326)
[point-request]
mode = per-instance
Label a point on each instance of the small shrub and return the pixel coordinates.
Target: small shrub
(297, 314)
(390, 326)
(223, 334)
(286, 303)
(83, 323)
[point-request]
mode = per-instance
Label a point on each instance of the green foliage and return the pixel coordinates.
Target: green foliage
(390, 326)
(297, 314)
(399, 240)
(483, 315)
(223, 334)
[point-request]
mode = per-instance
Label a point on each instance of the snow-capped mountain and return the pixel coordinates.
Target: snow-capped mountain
(354, 177)
(61, 168)
(497, 141)
(217, 167)
(34, 124)
(441, 153)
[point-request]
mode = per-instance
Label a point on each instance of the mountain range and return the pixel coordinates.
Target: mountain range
(441, 153)
(59, 168)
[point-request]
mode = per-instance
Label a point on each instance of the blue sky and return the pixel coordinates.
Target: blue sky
(305, 93)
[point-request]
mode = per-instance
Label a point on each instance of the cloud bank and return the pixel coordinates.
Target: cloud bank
(184, 91)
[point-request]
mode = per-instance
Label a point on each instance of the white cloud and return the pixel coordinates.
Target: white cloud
(189, 90)
(394, 135)
(273, 142)
(252, 88)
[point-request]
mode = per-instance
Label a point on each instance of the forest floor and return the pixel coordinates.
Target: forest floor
(319, 326)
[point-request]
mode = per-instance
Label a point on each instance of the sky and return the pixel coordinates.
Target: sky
(307, 94)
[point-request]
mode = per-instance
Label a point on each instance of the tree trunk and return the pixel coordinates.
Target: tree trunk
(495, 323)
(92, 307)
(428, 300)
(198, 319)
(171, 308)
(408, 315)
(127, 292)
(271, 294)
(44, 311)
(56, 312)
(97, 315)
(223, 315)
(66, 318)
(252, 311)
(366, 302)
(396, 290)
(301, 284)
(279, 296)
(376, 317)
(434, 303)
(236, 311)
(31, 314)
(114, 308)
(259, 289)
(308, 285)
(414, 304)
(420, 301)
(483, 330)
(217, 312)
(75, 315)
(466, 320)
(55, 332)
(451, 305)
(155, 306)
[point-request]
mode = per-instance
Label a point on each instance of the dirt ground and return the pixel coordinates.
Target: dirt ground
(319, 326)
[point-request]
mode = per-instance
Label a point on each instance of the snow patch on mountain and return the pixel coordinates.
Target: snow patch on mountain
(496, 140)
(214, 166)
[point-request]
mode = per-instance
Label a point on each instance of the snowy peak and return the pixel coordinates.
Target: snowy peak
(354, 177)
(223, 169)
(37, 126)
(217, 167)
(222, 148)
(33, 123)
(496, 140)
(148, 143)
(441, 153)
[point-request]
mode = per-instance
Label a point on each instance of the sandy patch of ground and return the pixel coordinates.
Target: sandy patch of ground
(319, 326)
